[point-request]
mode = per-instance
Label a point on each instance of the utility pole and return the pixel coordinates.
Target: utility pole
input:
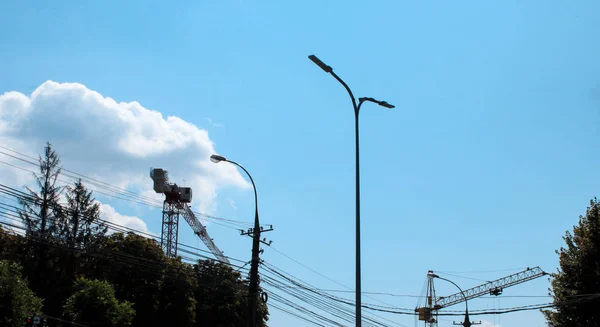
(255, 233)
(254, 280)
(467, 322)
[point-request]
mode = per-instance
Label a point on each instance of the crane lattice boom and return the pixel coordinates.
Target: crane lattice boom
(492, 287)
(200, 230)
(429, 312)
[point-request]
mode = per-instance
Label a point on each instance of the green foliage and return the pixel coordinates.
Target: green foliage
(222, 296)
(95, 301)
(12, 247)
(42, 216)
(83, 274)
(81, 224)
(134, 265)
(17, 301)
(579, 274)
(176, 302)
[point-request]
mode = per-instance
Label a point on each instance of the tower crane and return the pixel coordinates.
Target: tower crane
(175, 205)
(428, 313)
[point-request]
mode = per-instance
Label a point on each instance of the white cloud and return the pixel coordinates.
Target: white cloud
(485, 323)
(215, 124)
(109, 214)
(232, 204)
(115, 142)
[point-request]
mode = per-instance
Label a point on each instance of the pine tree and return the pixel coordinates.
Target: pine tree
(41, 210)
(42, 215)
(579, 275)
(81, 225)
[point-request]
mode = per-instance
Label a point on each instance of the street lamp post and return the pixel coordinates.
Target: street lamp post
(467, 322)
(356, 107)
(253, 291)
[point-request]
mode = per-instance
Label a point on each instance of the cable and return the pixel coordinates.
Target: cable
(295, 315)
(320, 274)
(133, 197)
(481, 271)
(459, 276)
(124, 258)
(25, 197)
(303, 285)
(109, 224)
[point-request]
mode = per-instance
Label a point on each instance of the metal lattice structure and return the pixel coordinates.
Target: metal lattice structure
(494, 287)
(201, 232)
(429, 312)
(175, 204)
(170, 226)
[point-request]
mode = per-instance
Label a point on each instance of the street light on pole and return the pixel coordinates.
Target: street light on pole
(467, 322)
(253, 291)
(356, 107)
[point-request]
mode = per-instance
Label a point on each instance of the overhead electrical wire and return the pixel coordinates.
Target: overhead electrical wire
(23, 196)
(228, 223)
(347, 304)
(117, 192)
(271, 279)
(131, 260)
(273, 276)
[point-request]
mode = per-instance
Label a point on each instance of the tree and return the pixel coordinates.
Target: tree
(12, 247)
(81, 228)
(134, 265)
(176, 303)
(82, 224)
(578, 275)
(41, 210)
(222, 296)
(42, 215)
(17, 301)
(95, 301)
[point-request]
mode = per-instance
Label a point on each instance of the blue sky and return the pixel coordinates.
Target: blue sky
(487, 159)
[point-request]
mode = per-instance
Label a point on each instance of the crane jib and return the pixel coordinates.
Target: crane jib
(492, 287)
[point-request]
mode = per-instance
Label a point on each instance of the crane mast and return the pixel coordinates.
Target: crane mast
(175, 205)
(428, 312)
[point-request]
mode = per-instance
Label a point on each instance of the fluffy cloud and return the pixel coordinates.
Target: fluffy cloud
(115, 142)
(109, 214)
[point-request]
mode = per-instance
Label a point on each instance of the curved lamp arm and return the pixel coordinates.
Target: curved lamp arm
(251, 180)
(460, 289)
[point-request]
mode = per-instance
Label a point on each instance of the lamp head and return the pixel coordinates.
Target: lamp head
(217, 158)
(432, 275)
(386, 105)
(381, 103)
(321, 64)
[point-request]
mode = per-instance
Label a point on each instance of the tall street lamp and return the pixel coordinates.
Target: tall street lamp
(467, 322)
(356, 106)
(253, 291)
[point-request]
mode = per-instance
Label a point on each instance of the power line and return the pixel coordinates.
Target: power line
(24, 197)
(132, 196)
(124, 258)
(481, 271)
(322, 275)
(118, 257)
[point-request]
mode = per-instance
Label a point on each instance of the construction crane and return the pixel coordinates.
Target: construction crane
(175, 205)
(428, 313)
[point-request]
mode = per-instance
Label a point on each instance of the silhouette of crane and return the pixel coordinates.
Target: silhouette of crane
(428, 313)
(175, 205)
